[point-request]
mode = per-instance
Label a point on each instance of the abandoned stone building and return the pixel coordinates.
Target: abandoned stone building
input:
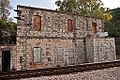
(49, 38)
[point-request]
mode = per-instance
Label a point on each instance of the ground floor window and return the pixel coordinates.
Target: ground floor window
(36, 54)
(70, 57)
(59, 54)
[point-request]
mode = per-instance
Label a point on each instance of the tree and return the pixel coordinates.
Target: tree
(113, 28)
(85, 7)
(7, 27)
(4, 9)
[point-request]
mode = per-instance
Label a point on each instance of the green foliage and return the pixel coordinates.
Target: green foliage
(85, 7)
(113, 27)
(7, 25)
(7, 28)
(116, 14)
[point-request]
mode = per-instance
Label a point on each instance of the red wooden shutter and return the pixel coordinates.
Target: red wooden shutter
(70, 25)
(37, 23)
(94, 27)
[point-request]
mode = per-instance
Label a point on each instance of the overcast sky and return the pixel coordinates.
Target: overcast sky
(50, 4)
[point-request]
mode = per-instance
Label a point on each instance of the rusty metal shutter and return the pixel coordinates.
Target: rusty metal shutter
(37, 23)
(94, 27)
(70, 25)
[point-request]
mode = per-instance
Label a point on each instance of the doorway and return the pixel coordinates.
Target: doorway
(6, 60)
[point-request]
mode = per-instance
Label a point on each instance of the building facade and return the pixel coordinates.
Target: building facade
(48, 38)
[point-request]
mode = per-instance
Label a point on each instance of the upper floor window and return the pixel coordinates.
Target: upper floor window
(36, 54)
(37, 23)
(70, 25)
(94, 27)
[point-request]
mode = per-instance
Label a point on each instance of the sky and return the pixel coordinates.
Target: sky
(50, 4)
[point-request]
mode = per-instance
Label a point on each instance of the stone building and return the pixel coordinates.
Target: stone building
(48, 38)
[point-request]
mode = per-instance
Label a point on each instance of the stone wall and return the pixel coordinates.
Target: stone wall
(48, 50)
(54, 23)
(104, 49)
(100, 49)
(103, 74)
(54, 34)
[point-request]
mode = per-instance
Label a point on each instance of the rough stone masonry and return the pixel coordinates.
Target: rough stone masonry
(49, 38)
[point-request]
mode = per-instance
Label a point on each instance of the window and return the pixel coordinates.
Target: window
(59, 54)
(70, 25)
(37, 54)
(37, 23)
(49, 60)
(70, 57)
(94, 27)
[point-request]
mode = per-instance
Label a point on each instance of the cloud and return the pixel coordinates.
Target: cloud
(111, 3)
(52, 2)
